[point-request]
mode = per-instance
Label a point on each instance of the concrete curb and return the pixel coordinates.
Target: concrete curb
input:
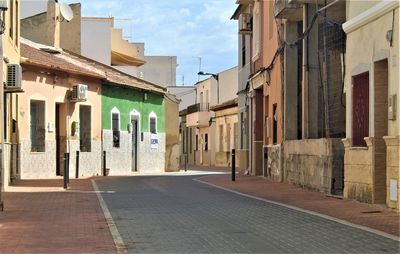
(374, 231)
(119, 242)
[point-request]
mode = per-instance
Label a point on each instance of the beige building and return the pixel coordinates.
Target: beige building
(59, 112)
(226, 124)
(10, 61)
(372, 141)
(199, 123)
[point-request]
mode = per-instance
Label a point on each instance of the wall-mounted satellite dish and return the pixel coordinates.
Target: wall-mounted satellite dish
(66, 12)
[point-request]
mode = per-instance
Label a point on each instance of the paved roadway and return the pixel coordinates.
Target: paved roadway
(174, 214)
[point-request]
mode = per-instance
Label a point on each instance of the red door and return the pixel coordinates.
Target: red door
(360, 109)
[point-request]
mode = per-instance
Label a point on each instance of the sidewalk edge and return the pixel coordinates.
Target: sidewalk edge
(119, 242)
(371, 230)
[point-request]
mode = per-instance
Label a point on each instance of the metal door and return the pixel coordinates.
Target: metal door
(134, 122)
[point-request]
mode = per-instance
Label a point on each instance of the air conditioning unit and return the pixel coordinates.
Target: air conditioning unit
(14, 76)
(79, 92)
(245, 24)
(4, 5)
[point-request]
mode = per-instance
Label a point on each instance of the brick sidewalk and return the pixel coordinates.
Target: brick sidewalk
(352, 211)
(40, 217)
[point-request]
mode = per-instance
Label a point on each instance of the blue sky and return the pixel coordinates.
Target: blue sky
(185, 28)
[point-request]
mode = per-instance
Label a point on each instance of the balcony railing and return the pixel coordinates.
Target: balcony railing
(198, 107)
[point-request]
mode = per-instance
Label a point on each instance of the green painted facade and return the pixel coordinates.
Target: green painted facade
(126, 99)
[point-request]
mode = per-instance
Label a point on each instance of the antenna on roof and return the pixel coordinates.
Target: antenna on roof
(66, 11)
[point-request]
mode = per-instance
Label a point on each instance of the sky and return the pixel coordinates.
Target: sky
(188, 29)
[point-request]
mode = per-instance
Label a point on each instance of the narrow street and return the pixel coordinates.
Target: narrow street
(175, 214)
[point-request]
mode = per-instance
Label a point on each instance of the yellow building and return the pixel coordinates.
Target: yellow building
(10, 78)
(372, 100)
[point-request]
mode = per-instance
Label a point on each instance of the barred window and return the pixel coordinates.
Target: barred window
(38, 129)
(153, 123)
(85, 129)
(115, 129)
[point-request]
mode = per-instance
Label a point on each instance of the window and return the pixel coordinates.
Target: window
(275, 124)
(115, 127)
(197, 143)
(16, 22)
(221, 138)
(85, 129)
(206, 142)
(360, 121)
(153, 123)
(38, 129)
(11, 31)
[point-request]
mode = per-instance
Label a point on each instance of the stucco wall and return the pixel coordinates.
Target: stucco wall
(186, 95)
(360, 170)
(55, 90)
(360, 58)
(172, 136)
(40, 29)
(130, 101)
(228, 84)
(160, 70)
(96, 39)
(126, 100)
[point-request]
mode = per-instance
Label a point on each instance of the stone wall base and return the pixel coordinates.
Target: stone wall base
(315, 164)
(272, 167)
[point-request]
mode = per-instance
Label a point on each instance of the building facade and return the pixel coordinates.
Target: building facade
(243, 15)
(10, 56)
(51, 121)
(199, 123)
(372, 88)
(226, 124)
(294, 94)
(133, 124)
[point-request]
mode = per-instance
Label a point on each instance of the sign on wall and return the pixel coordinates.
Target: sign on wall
(154, 141)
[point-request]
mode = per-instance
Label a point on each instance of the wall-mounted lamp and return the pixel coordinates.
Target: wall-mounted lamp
(145, 97)
(215, 76)
(212, 120)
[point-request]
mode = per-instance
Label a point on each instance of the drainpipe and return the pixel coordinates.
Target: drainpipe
(2, 179)
(305, 102)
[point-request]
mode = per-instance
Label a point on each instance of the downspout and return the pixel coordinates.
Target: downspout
(305, 122)
(2, 125)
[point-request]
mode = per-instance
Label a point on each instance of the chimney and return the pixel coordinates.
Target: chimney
(53, 24)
